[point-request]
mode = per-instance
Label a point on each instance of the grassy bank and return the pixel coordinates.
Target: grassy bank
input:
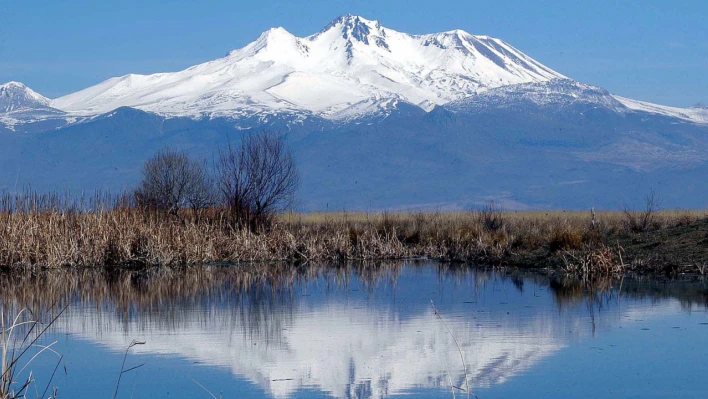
(670, 242)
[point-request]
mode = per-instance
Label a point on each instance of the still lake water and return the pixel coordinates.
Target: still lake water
(368, 332)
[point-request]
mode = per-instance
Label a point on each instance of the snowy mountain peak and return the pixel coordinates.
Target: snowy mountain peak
(352, 66)
(12, 84)
(15, 96)
(354, 27)
(352, 22)
(274, 40)
(273, 35)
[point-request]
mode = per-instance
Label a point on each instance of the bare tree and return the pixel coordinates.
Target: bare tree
(200, 194)
(172, 181)
(257, 178)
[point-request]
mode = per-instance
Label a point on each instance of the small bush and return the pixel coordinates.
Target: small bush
(566, 238)
(594, 236)
(492, 217)
(644, 220)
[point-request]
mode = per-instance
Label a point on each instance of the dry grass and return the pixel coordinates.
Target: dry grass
(53, 237)
(595, 262)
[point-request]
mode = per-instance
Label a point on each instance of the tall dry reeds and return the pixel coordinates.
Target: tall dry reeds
(51, 231)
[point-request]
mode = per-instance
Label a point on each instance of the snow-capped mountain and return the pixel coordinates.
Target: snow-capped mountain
(20, 105)
(15, 97)
(445, 120)
(352, 65)
(352, 69)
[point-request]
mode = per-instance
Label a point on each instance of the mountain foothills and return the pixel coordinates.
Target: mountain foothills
(377, 119)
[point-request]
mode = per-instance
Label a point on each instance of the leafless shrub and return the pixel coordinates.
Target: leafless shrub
(257, 179)
(172, 181)
(491, 217)
(643, 220)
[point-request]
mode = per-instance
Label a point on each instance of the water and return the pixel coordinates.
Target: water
(366, 332)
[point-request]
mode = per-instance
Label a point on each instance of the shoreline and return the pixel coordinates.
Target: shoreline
(671, 244)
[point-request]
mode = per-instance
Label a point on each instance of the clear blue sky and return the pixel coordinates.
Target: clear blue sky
(649, 50)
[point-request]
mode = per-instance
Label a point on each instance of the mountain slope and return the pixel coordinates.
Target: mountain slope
(552, 95)
(559, 154)
(351, 64)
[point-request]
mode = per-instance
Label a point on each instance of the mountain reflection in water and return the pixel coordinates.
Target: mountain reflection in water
(365, 330)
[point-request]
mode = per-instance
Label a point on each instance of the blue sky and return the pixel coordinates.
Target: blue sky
(648, 50)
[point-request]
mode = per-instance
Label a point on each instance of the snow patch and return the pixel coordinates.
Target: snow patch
(695, 114)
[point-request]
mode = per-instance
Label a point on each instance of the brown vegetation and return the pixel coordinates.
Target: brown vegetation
(48, 236)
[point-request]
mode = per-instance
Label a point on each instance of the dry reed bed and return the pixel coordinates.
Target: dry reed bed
(128, 236)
